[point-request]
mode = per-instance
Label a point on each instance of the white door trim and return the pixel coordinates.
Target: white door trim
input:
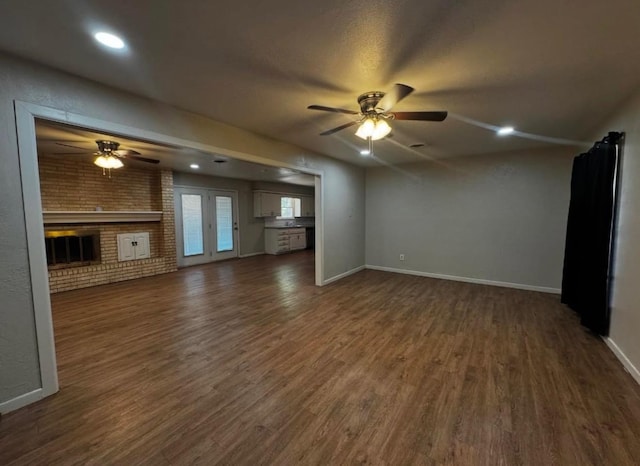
(319, 230)
(177, 199)
(26, 114)
(209, 235)
(28, 154)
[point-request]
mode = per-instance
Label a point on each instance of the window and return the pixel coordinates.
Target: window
(289, 207)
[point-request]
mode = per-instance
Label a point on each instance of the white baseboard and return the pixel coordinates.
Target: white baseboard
(628, 365)
(20, 401)
(478, 281)
(242, 256)
(343, 275)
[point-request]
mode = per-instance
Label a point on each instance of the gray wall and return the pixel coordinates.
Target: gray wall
(251, 229)
(282, 187)
(25, 81)
(499, 217)
(625, 302)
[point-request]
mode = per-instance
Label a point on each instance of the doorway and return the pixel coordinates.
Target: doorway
(26, 116)
(206, 225)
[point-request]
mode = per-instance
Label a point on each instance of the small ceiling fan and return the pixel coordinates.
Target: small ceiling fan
(108, 155)
(375, 111)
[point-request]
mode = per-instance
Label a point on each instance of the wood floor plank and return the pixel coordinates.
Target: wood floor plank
(247, 362)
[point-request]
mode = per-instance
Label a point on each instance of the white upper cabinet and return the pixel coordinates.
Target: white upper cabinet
(307, 206)
(266, 204)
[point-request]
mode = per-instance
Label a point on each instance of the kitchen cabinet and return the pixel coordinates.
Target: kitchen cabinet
(133, 246)
(266, 204)
(281, 240)
(298, 240)
(307, 206)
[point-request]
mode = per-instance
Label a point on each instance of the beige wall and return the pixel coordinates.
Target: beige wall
(20, 80)
(625, 302)
(499, 217)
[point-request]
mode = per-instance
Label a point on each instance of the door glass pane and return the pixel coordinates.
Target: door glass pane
(192, 224)
(224, 223)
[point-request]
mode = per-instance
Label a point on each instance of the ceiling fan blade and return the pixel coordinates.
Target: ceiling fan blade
(69, 145)
(422, 116)
(339, 128)
(71, 153)
(331, 109)
(126, 152)
(140, 159)
(395, 95)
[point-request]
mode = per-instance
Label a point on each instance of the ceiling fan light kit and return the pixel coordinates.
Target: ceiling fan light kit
(108, 162)
(106, 158)
(373, 127)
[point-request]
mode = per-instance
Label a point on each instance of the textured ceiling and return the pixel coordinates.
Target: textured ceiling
(76, 143)
(550, 68)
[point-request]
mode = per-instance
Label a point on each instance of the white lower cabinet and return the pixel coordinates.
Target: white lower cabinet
(298, 241)
(133, 246)
(281, 240)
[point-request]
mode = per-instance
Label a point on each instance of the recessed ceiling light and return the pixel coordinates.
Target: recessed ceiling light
(505, 130)
(110, 40)
(195, 166)
(365, 152)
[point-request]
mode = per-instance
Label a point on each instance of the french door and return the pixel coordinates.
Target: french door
(206, 225)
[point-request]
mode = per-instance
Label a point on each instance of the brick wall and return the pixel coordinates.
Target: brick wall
(168, 224)
(74, 183)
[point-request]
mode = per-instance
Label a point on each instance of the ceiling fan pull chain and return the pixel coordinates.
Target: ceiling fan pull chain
(104, 172)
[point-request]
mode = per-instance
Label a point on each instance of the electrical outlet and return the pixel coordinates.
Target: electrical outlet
(401, 257)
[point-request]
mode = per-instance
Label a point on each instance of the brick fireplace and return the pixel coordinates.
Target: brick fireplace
(78, 199)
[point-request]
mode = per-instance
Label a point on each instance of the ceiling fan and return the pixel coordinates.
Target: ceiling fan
(108, 155)
(375, 111)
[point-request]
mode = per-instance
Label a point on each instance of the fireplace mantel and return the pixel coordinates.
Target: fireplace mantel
(119, 216)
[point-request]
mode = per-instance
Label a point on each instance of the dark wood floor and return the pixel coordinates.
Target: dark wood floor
(247, 362)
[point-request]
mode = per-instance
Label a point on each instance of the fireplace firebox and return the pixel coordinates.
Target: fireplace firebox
(72, 248)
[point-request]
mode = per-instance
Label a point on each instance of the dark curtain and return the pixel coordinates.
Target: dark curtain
(585, 279)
